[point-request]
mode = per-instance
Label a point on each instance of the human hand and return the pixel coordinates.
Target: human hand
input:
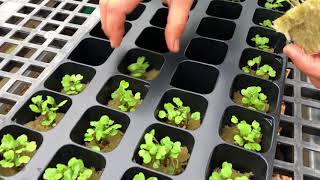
(308, 64)
(113, 16)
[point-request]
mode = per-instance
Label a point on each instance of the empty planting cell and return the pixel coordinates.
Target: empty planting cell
(94, 114)
(159, 19)
(239, 159)
(216, 28)
(19, 35)
(286, 129)
(266, 59)
(46, 56)
(32, 23)
(69, 6)
(285, 6)
(50, 27)
(310, 94)
(304, 77)
(78, 20)
(38, 39)
(87, 10)
(26, 52)
(310, 113)
(90, 159)
(93, 1)
(19, 88)
(201, 49)
(136, 13)
(261, 15)
(308, 177)
(162, 131)
(12, 66)
(68, 31)
(276, 42)
(57, 43)
(269, 89)
(3, 81)
(91, 51)
(53, 3)
(287, 108)
(311, 135)
(35, 1)
(60, 16)
(288, 90)
(26, 10)
(54, 81)
(6, 105)
(130, 173)
(285, 152)
(289, 73)
(7, 47)
(4, 31)
(98, 32)
(153, 39)
(282, 174)
(224, 9)
(195, 77)
(33, 71)
(43, 13)
(14, 20)
(311, 159)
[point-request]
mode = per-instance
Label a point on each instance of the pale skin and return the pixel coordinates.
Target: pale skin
(113, 16)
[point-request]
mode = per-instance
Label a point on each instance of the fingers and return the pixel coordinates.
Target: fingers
(113, 15)
(315, 82)
(176, 22)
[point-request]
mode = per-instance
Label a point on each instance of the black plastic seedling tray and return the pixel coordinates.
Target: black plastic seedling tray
(204, 74)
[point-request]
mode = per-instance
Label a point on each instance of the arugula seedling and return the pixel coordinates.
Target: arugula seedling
(14, 151)
(265, 71)
(72, 84)
(253, 98)
(103, 129)
(139, 68)
(75, 169)
(267, 23)
(127, 100)
(261, 42)
(225, 173)
(48, 108)
(274, 4)
(177, 113)
(141, 176)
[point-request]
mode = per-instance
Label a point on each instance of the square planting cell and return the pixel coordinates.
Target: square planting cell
(54, 81)
(26, 10)
(91, 51)
(282, 173)
(38, 39)
(239, 159)
(136, 13)
(159, 19)
(46, 56)
(153, 39)
(224, 9)
(33, 71)
(311, 135)
(53, 3)
(308, 177)
(94, 114)
(162, 131)
(12, 66)
(68, 31)
(195, 77)
(216, 28)
(57, 43)
(60, 16)
(310, 113)
(78, 20)
(7, 47)
(200, 49)
(26, 52)
(6, 105)
(19, 35)
(98, 32)
(286, 129)
(130, 173)
(14, 20)
(285, 152)
(35, 1)
(87, 10)
(19, 88)
(69, 6)
(310, 158)
(32, 23)
(4, 31)
(50, 27)
(288, 90)
(3, 81)
(310, 94)
(261, 15)
(90, 159)
(43, 13)
(286, 6)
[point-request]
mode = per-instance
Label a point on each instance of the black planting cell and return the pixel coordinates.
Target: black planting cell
(224, 9)
(216, 28)
(153, 39)
(200, 49)
(155, 60)
(239, 159)
(286, 129)
(262, 14)
(98, 32)
(266, 58)
(162, 131)
(286, 6)
(308, 177)
(159, 19)
(91, 51)
(54, 81)
(288, 90)
(289, 111)
(195, 102)
(277, 41)
(94, 114)
(130, 173)
(136, 13)
(112, 84)
(195, 77)
(283, 172)
(24, 115)
(268, 88)
(310, 94)
(266, 123)
(285, 152)
(65, 153)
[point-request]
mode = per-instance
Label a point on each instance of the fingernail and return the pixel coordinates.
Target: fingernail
(176, 45)
(112, 44)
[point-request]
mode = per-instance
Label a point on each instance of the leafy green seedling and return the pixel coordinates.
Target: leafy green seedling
(103, 129)
(72, 84)
(48, 108)
(225, 173)
(274, 4)
(261, 42)
(254, 99)
(267, 23)
(127, 101)
(141, 176)
(139, 68)
(177, 113)
(74, 170)
(14, 152)
(249, 136)
(253, 65)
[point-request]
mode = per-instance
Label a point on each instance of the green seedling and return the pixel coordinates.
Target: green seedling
(14, 152)
(48, 108)
(72, 84)
(141, 176)
(253, 98)
(264, 71)
(74, 170)
(225, 173)
(139, 68)
(267, 23)
(274, 4)
(153, 152)
(261, 42)
(128, 100)
(177, 113)
(103, 129)
(249, 135)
